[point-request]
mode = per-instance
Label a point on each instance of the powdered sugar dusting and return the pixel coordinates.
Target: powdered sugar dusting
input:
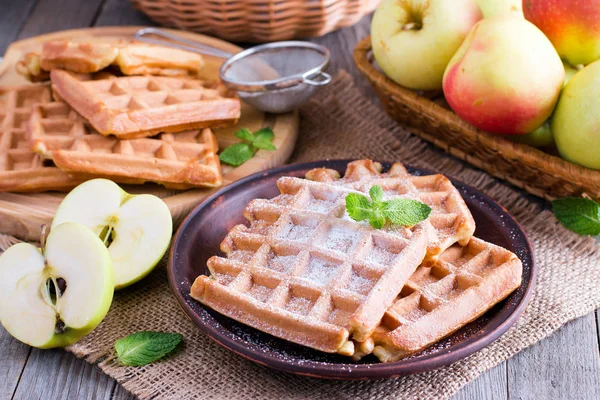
(282, 263)
(380, 256)
(320, 271)
(341, 239)
(241, 255)
(259, 292)
(320, 206)
(299, 305)
(359, 284)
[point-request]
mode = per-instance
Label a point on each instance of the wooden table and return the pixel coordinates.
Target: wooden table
(564, 366)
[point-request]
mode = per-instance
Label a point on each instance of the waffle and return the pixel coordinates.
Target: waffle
(132, 58)
(178, 161)
(133, 107)
(145, 59)
(22, 170)
(80, 57)
(450, 218)
(439, 300)
(305, 272)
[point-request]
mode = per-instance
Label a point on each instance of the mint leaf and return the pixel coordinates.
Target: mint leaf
(145, 347)
(406, 212)
(264, 134)
(358, 206)
(376, 193)
(245, 134)
(579, 215)
(237, 154)
(264, 144)
(377, 220)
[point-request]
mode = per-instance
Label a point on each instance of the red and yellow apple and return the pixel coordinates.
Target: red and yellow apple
(506, 76)
(573, 26)
(413, 40)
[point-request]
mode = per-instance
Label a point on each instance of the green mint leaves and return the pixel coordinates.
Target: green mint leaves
(145, 347)
(406, 212)
(579, 215)
(239, 153)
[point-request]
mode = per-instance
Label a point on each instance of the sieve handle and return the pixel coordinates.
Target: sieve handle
(178, 42)
(317, 79)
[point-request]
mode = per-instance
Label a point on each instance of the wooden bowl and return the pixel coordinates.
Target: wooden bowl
(539, 173)
(199, 237)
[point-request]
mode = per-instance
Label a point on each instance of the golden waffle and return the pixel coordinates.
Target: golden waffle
(93, 55)
(22, 170)
(439, 300)
(135, 106)
(179, 161)
(305, 272)
(450, 217)
(146, 59)
(80, 57)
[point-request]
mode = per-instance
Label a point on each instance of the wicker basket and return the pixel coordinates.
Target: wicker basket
(257, 20)
(539, 173)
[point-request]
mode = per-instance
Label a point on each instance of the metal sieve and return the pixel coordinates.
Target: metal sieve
(274, 77)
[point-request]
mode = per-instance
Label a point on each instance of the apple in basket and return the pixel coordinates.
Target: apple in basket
(55, 295)
(413, 40)
(506, 76)
(573, 27)
(576, 122)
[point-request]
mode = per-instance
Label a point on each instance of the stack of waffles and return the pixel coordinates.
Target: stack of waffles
(304, 271)
(87, 122)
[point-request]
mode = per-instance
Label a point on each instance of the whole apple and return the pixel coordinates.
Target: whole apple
(576, 122)
(573, 26)
(413, 40)
(506, 76)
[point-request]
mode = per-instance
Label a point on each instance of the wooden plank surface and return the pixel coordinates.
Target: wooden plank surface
(12, 17)
(566, 365)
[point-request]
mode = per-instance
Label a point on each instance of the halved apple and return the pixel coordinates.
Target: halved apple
(136, 229)
(52, 297)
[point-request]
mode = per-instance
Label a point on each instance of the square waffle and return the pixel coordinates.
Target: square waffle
(179, 161)
(22, 170)
(437, 301)
(450, 218)
(305, 272)
(140, 106)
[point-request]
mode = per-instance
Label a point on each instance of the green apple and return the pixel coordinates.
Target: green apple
(541, 137)
(576, 122)
(52, 297)
(136, 229)
(413, 40)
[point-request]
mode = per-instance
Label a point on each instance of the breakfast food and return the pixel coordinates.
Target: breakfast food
(133, 107)
(450, 218)
(81, 57)
(305, 273)
(180, 160)
(304, 270)
(93, 55)
(437, 301)
(22, 170)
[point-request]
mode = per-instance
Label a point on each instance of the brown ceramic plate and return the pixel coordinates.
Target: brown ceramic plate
(199, 236)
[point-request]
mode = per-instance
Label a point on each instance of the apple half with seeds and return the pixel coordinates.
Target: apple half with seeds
(136, 229)
(53, 296)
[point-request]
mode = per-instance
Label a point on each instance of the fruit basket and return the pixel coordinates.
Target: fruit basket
(428, 116)
(257, 20)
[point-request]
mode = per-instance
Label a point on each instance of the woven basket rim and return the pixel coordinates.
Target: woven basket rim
(517, 152)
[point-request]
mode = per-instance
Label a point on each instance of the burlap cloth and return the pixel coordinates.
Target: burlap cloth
(340, 123)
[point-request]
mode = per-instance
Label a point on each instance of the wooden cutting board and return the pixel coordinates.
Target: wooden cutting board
(21, 214)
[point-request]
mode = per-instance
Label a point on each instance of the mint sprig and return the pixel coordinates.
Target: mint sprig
(239, 153)
(402, 211)
(145, 347)
(579, 215)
